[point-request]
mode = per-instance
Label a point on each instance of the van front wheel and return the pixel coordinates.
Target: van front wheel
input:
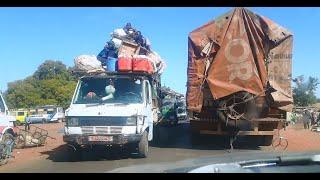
(143, 146)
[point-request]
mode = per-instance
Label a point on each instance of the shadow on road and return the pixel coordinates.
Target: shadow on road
(177, 137)
(180, 137)
(64, 153)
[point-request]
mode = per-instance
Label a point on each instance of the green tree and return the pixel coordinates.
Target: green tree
(51, 69)
(304, 91)
(51, 84)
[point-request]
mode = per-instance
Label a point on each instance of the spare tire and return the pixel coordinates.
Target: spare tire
(239, 107)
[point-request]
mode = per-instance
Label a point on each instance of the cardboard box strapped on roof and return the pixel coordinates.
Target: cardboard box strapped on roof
(239, 51)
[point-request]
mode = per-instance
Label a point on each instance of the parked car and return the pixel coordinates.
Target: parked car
(38, 118)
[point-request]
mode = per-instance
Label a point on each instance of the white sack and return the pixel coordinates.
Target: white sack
(87, 62)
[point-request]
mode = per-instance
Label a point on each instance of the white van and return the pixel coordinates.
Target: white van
(112, 109)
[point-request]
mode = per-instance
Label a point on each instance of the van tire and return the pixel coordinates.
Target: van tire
(74, 155)
(143, 146)
(267, 140)
(43, 121)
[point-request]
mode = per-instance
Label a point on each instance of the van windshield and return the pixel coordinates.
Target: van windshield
(109, 90)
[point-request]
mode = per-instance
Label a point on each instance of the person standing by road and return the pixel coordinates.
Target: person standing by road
(306, 117)
(27, 122)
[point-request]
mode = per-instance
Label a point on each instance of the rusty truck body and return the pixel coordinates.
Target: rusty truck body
(239, 76)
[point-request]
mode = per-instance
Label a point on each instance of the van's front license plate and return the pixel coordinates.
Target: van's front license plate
(101, 138)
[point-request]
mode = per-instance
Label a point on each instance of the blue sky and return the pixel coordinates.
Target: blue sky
(28, 36)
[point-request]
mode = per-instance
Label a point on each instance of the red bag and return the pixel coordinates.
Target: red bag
(125, 64)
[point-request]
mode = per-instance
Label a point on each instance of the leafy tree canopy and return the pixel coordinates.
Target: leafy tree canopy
(304, 91)
(51, 84)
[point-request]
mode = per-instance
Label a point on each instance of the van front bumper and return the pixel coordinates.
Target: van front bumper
(116, 139)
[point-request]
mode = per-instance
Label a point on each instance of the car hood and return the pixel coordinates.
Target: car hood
(188, 165)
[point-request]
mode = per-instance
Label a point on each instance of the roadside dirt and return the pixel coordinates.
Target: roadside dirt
(300, 139)
(25, 155)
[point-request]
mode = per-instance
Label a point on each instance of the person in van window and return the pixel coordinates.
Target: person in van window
(110, 91)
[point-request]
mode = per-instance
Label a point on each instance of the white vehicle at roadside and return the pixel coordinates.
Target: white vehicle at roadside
(7, 132)
(44, 114)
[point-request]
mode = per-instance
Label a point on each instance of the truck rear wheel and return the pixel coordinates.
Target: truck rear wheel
(143, 146)
(163, 135)
(195, 138)
(266, 140)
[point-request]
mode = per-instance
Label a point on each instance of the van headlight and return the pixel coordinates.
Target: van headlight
(132, 121)
(73, 121)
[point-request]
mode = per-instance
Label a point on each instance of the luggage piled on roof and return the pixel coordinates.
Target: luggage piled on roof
(127, 51)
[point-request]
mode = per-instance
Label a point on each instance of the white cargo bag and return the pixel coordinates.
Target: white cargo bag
(117, 42)
(158, 61)
(87, 63)
(118, 33)
(148, 43)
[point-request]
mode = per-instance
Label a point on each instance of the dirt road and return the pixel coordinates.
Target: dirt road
(55, 157)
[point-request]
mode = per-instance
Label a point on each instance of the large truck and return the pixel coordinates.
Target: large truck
(114, 108)
(239, 77)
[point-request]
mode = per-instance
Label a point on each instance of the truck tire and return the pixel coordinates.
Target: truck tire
(195, 138)
(266, 140)
(175, 122)
(163, 135)
(143, 146)
(156, 134)
(74, 155)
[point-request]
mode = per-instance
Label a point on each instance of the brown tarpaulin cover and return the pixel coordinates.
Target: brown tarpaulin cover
(239, 51)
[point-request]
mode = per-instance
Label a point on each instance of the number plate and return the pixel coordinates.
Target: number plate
(101, 138)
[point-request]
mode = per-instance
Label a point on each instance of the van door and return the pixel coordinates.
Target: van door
(148, 109)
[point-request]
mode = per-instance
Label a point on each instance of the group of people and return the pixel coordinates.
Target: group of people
(309, 119)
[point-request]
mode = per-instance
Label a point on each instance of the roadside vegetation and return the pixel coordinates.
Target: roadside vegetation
(51, 84)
